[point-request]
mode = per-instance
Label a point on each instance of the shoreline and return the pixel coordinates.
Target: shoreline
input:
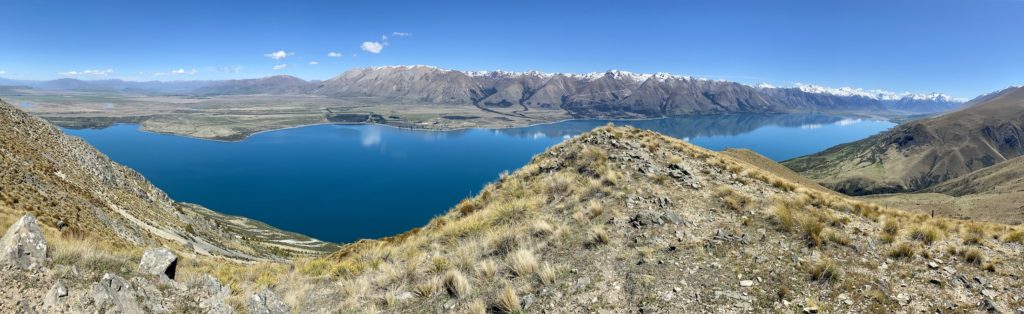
(244, 136)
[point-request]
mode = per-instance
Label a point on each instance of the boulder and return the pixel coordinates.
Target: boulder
(113, 294)
(23, 245)
(267, 302)
(212, 295)
(56, 299)
(159, 261)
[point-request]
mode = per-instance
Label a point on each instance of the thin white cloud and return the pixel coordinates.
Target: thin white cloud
(279, 55)
(2, 72)
(372, 46)
(280, 66)
(333, 54)
(314, 62)
(177, 72)
(401, 34)
(88, 73)
(229, 69)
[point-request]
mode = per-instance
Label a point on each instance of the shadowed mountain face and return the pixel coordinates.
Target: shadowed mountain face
(920, 154)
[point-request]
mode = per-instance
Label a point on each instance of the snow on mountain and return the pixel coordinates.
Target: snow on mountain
(877, 94)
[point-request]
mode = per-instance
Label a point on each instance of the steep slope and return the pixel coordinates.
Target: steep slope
(920, 154)
(418, 83)
(765, 164)
(67, 183)
(623, 220)
(991, 194)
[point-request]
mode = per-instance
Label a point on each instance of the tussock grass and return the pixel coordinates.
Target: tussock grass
(1014, 236)
(522, 262)
(546, 275)
(427, 288)
(824, 270)
(973, 256)
(732, 199)
(508, 301)
(486, 269)
(927, 234)
(456, 284)
(902, 250)
(598, 236)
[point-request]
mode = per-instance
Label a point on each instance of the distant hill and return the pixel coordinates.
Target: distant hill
(920, 154)
(273, 85)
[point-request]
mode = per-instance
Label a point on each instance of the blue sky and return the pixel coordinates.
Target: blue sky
(963, 48)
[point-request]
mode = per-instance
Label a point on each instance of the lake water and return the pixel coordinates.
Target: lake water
(345, 182)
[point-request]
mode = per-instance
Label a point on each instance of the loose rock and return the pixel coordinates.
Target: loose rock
(159, 261)
(23, 245)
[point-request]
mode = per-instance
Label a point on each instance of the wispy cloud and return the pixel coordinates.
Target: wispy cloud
(401, 34)
(279, 55)
(177, 72)
(2, 72)
(88, 73)
(229, 69)
(333, 54)
(371, 47)
(314, 62)
(280, 66)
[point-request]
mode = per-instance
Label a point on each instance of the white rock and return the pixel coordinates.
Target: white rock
(23, 245)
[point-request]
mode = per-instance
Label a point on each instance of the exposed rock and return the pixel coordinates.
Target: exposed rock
(212, 295)
(746, 283)
(646, 218)
(113, 294)
(159, 261)
(23, 245)
(56, 299)
(267, 302)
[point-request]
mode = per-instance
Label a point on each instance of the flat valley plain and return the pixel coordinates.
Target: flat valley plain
(238, 116)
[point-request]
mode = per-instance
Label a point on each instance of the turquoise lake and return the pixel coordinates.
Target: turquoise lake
(341, 183)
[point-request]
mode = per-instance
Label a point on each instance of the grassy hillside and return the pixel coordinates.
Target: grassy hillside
(919, 154)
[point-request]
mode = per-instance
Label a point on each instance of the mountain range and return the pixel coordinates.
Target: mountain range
(600, 94)
(920, 154)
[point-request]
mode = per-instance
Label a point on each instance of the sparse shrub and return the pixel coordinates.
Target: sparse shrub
(989, 267)
(546, 274)
(508, 301)
(972, 239)
(594, 209)
(503, 241)
(926, 234)
(456, 284)
(477, 307)
(315, 268)
(783, 185)
(973, 256)
(522, 262)
(810, 229)
(890, 229)
(902, 250)
(784, 215)
(824, 270)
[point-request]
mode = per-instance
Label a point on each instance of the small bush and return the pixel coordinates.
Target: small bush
(456, 284)
(732, 199)
(486, 269)
(427, 288)
(902, 250)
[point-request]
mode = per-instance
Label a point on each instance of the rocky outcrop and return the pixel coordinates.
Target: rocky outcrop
(114, 294)
(267, 302)
(159, 261)
(23, 245)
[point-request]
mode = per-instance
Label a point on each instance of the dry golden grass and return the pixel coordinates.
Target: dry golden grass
(824, 270)
(732, 199)
(1014, 236)
(522, 262)
(599, 236)
(456, 284)
(508, 301)
(546, 274)
(902, 250)
(973, 256)
(927, 234)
